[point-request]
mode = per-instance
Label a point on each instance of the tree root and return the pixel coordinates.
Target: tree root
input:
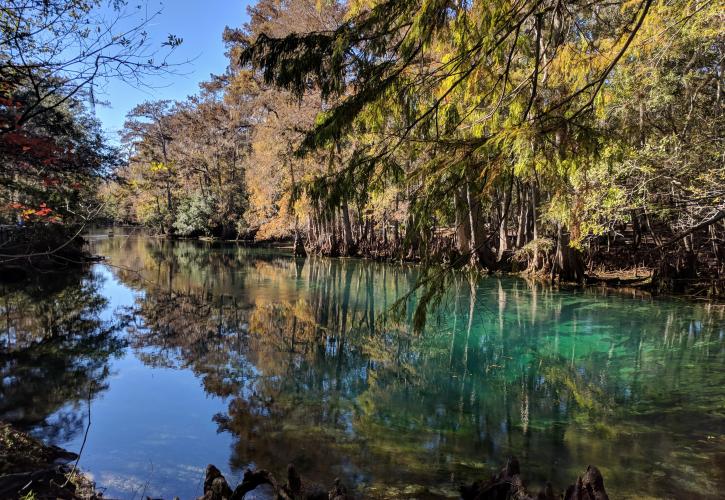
(216, 487)
(507, 484)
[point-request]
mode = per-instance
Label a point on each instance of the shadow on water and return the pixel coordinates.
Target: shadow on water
(312, 373)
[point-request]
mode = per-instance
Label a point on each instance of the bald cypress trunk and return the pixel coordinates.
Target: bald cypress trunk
(348, 240)
(480, 252)
(568, 263)
(463, 224)
(522, 213)
(503, 244)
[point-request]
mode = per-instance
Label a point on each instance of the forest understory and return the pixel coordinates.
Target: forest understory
(628, 255)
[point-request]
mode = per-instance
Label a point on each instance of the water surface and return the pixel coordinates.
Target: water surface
(192, 353)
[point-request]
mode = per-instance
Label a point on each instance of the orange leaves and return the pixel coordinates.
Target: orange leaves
(43, 211)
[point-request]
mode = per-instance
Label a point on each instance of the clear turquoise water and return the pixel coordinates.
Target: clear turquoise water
(195, 353)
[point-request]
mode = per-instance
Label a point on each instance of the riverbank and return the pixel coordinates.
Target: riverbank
(639, 279)
(31, 470)
(36, 249)
(507, 484)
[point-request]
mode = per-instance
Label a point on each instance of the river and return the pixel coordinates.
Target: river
(187, 353)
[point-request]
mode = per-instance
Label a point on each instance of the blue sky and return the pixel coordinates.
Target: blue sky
(200, 23)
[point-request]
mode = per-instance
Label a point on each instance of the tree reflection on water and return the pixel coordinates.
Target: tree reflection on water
(55, 352)
(315, 375)
(312, 372)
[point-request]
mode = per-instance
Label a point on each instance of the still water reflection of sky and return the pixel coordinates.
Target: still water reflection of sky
(151, 429)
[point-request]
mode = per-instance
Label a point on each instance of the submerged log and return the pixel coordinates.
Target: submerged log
(254, 480)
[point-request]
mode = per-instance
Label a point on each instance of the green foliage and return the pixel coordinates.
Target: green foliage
(195, 215)
(462, 131)
(467, 102)
(533, 248)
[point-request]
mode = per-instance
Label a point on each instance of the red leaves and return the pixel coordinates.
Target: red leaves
(29, 148)
(10, 103)
(26, 152)
(51, 181)
(43, 213)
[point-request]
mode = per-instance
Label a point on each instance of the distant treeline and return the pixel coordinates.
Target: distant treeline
(568, 139)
